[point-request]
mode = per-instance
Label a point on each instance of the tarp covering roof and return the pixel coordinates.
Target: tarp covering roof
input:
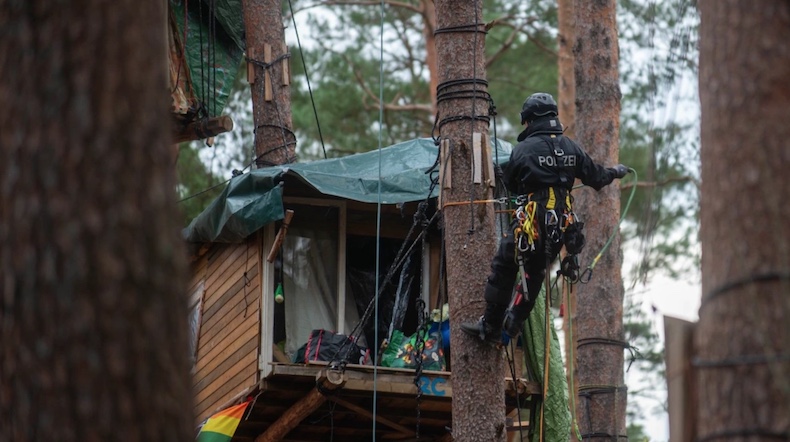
(253, 200)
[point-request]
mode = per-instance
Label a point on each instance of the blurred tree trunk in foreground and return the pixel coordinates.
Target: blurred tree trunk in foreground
(741, 344)
(92, 309)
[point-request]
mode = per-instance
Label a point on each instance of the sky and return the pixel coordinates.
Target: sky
(679, 299)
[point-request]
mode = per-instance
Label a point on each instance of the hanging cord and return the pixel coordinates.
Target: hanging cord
(587, 274)
(307, 76)
(419, 348)
(406, 248)
(203, 82)
(378, 216)
(212, 110)
(400, 258)
(546, 344)
(571, 362)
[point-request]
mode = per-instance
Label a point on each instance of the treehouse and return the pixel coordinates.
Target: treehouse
(306, 234)
(301, 273)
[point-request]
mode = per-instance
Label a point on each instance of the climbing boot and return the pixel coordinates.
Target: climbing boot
(482, 330)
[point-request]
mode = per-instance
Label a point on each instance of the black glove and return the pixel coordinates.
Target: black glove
(620, 170)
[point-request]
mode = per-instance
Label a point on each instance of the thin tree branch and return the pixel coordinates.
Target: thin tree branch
(361, 3)
(662, 183)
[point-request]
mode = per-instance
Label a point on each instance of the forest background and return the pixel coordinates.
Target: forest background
(340, 70)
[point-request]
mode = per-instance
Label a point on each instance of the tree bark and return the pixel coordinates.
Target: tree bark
(566, 107)
(567, 82)
(742, 339)
(601, 402)
(478, 384)
(268, 63)
(93, 318)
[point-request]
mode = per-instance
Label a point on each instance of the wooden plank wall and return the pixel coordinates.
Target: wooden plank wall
(229, 339)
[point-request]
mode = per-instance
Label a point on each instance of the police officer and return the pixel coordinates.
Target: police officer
(541, 171)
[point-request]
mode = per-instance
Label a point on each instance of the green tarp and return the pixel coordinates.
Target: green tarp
(213, 54)
(557, 415)
(252, 200)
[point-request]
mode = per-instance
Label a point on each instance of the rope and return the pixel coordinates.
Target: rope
(546, 348)
(587, 274)
(572, 366)
(745, 281)
(378, 213)
(307, 77)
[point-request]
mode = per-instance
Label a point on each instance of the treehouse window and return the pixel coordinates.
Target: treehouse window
(309, 272)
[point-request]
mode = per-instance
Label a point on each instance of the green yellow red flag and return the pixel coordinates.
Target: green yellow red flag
(222, 426)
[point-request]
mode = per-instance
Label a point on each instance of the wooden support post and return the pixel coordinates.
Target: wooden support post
(267, 76)
(278, 240)
(488, 157)
(250, 66)
(445, 166)
(203, 129)
(300, 410)
(286, 67)
(445, 176)
(477, 157)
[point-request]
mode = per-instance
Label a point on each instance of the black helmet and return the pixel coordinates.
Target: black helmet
(538, 105)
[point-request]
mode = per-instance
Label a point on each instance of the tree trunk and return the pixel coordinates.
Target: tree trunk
(478, 382)
(567, 109)
(269, 75)
(93, 322)
(599, 334)
(567, 83)
(742, 339)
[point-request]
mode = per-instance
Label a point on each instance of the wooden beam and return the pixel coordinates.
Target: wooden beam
(384, 421)
(286, 68)
(278, 240)
(206, 128)
(477, 157)
(267, 76)
(300, 410)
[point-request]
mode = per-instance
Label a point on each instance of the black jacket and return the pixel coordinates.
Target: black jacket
(544, 157)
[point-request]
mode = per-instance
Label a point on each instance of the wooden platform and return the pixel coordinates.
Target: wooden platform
(289, 407)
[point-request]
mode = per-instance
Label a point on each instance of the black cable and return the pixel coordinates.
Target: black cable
(741, 433)
(204, 191)
(741, 361)
(474, 27)
(602, 341)
(747, 280)
(307, 77)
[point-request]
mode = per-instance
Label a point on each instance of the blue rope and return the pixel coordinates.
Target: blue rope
(378, 218)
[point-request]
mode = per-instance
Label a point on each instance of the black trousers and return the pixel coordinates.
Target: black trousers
(504, 270)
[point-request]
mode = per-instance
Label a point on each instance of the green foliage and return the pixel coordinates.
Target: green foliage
(636, 433)
(195, 181)
(658, 138)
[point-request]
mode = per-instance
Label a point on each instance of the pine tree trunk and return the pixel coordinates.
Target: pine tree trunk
(478, 381)
(601, 400)
(93, 326)
(567, 82)
(275, 142)
(567, 109)
(742, 339)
